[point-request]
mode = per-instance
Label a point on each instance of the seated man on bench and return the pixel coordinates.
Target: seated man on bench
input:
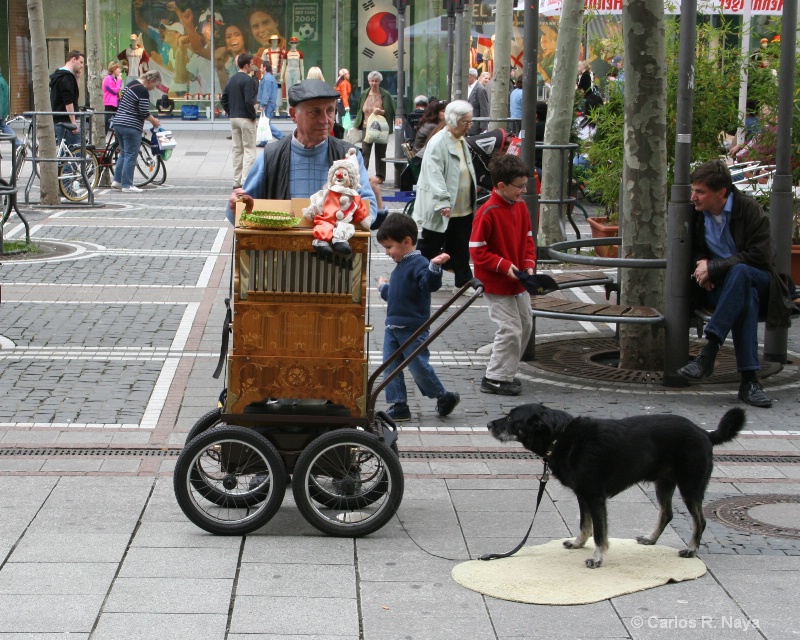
(733, 256)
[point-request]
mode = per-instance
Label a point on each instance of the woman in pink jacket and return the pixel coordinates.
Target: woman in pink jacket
(112, 85)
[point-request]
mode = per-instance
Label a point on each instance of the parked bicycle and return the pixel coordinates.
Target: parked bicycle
(71, 181)
(149, 166)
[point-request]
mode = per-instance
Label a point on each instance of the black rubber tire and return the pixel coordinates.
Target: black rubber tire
(146, 165)
(408, 210)
(204, 423)
(161, 172)
(347, 483)
(213, 469)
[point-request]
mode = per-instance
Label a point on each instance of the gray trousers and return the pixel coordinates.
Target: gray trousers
(512, 315)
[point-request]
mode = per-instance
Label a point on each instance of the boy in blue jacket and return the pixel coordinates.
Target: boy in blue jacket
(409, 306)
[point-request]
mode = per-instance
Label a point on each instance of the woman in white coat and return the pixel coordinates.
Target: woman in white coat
(446, 193)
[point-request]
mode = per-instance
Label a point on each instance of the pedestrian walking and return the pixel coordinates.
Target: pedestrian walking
(376, 101)
(502, 246)
(268, 96)
(408, 298)
(238, 100)
(446, 194)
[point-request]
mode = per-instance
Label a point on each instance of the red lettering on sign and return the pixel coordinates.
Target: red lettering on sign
(767, 5)
(732, 6)
(604, 5)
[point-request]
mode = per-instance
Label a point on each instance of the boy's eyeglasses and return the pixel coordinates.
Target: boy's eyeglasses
(521, 187)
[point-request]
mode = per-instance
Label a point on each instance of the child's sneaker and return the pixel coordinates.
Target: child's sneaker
(500, 388)
(399, 412)
(447, 402)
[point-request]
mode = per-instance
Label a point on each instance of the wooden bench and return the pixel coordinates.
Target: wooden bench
(569, 279)
(561, 309)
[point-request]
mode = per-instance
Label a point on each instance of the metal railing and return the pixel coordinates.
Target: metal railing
(84, 131)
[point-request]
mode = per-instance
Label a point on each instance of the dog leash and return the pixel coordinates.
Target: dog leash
(542, 483)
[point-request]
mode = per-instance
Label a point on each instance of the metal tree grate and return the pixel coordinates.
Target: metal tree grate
(598, 359)
(733, 512)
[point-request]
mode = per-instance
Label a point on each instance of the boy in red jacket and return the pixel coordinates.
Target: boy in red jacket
(502, 244)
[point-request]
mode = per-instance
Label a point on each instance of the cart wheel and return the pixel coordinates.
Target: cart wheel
(211, 419)
(229, 480)
(347, 483)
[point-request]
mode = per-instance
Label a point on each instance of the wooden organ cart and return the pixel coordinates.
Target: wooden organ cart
(299, 399)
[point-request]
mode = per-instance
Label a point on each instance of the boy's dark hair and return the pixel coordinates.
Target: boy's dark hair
(398, 227)
(714, 174)
(506, 167)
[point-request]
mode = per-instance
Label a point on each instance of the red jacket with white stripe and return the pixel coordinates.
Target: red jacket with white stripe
(501, 236)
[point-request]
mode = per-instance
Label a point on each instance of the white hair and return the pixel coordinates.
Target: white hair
(375, 75)
(456, 110)
(473, 72)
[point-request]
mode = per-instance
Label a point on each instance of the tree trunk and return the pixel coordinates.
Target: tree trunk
(95, 68)
(501, 54)
(45, 132)
(560, 114)
(644, 207)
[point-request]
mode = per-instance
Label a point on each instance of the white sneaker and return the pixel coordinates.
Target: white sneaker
(132, 189)
(116, 185)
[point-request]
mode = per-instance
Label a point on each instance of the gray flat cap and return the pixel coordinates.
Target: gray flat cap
(311, 90)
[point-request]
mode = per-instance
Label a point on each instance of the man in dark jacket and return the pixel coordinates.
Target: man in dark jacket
(298, 165)
(239, 100)
(64, 97)
(479, 99)
(734, 269)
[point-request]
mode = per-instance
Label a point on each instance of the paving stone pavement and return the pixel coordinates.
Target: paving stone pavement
(106, 360)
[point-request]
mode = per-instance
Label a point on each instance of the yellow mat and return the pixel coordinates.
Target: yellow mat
(552, 574)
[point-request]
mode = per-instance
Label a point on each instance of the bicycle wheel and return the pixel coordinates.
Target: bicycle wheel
(161, 173)
(347, 483)
(70, 179)
(22, 152)
(229, 480)
(146, 165)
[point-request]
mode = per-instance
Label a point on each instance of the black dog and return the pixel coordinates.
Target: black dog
(598, 459)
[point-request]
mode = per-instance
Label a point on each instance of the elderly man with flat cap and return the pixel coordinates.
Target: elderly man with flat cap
(297, 166)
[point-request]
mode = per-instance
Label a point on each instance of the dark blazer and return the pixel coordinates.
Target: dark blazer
(750, 230)
(479, 100)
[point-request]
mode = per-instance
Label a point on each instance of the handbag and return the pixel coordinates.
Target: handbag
(353, 135)
(263, 132)
(347, 121)
(165, 140)
(377, 131)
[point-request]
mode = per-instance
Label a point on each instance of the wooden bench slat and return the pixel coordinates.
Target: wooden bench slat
(569, 279)
(557, 308)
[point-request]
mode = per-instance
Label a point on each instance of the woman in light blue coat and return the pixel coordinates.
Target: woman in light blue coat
(446, 193)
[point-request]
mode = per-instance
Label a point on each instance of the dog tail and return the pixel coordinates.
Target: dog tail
(729, 427)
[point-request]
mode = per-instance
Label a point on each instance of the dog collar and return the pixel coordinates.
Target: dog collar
(550, 450)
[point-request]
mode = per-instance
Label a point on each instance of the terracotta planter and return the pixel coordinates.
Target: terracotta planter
(795, 270)
(601, 229)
